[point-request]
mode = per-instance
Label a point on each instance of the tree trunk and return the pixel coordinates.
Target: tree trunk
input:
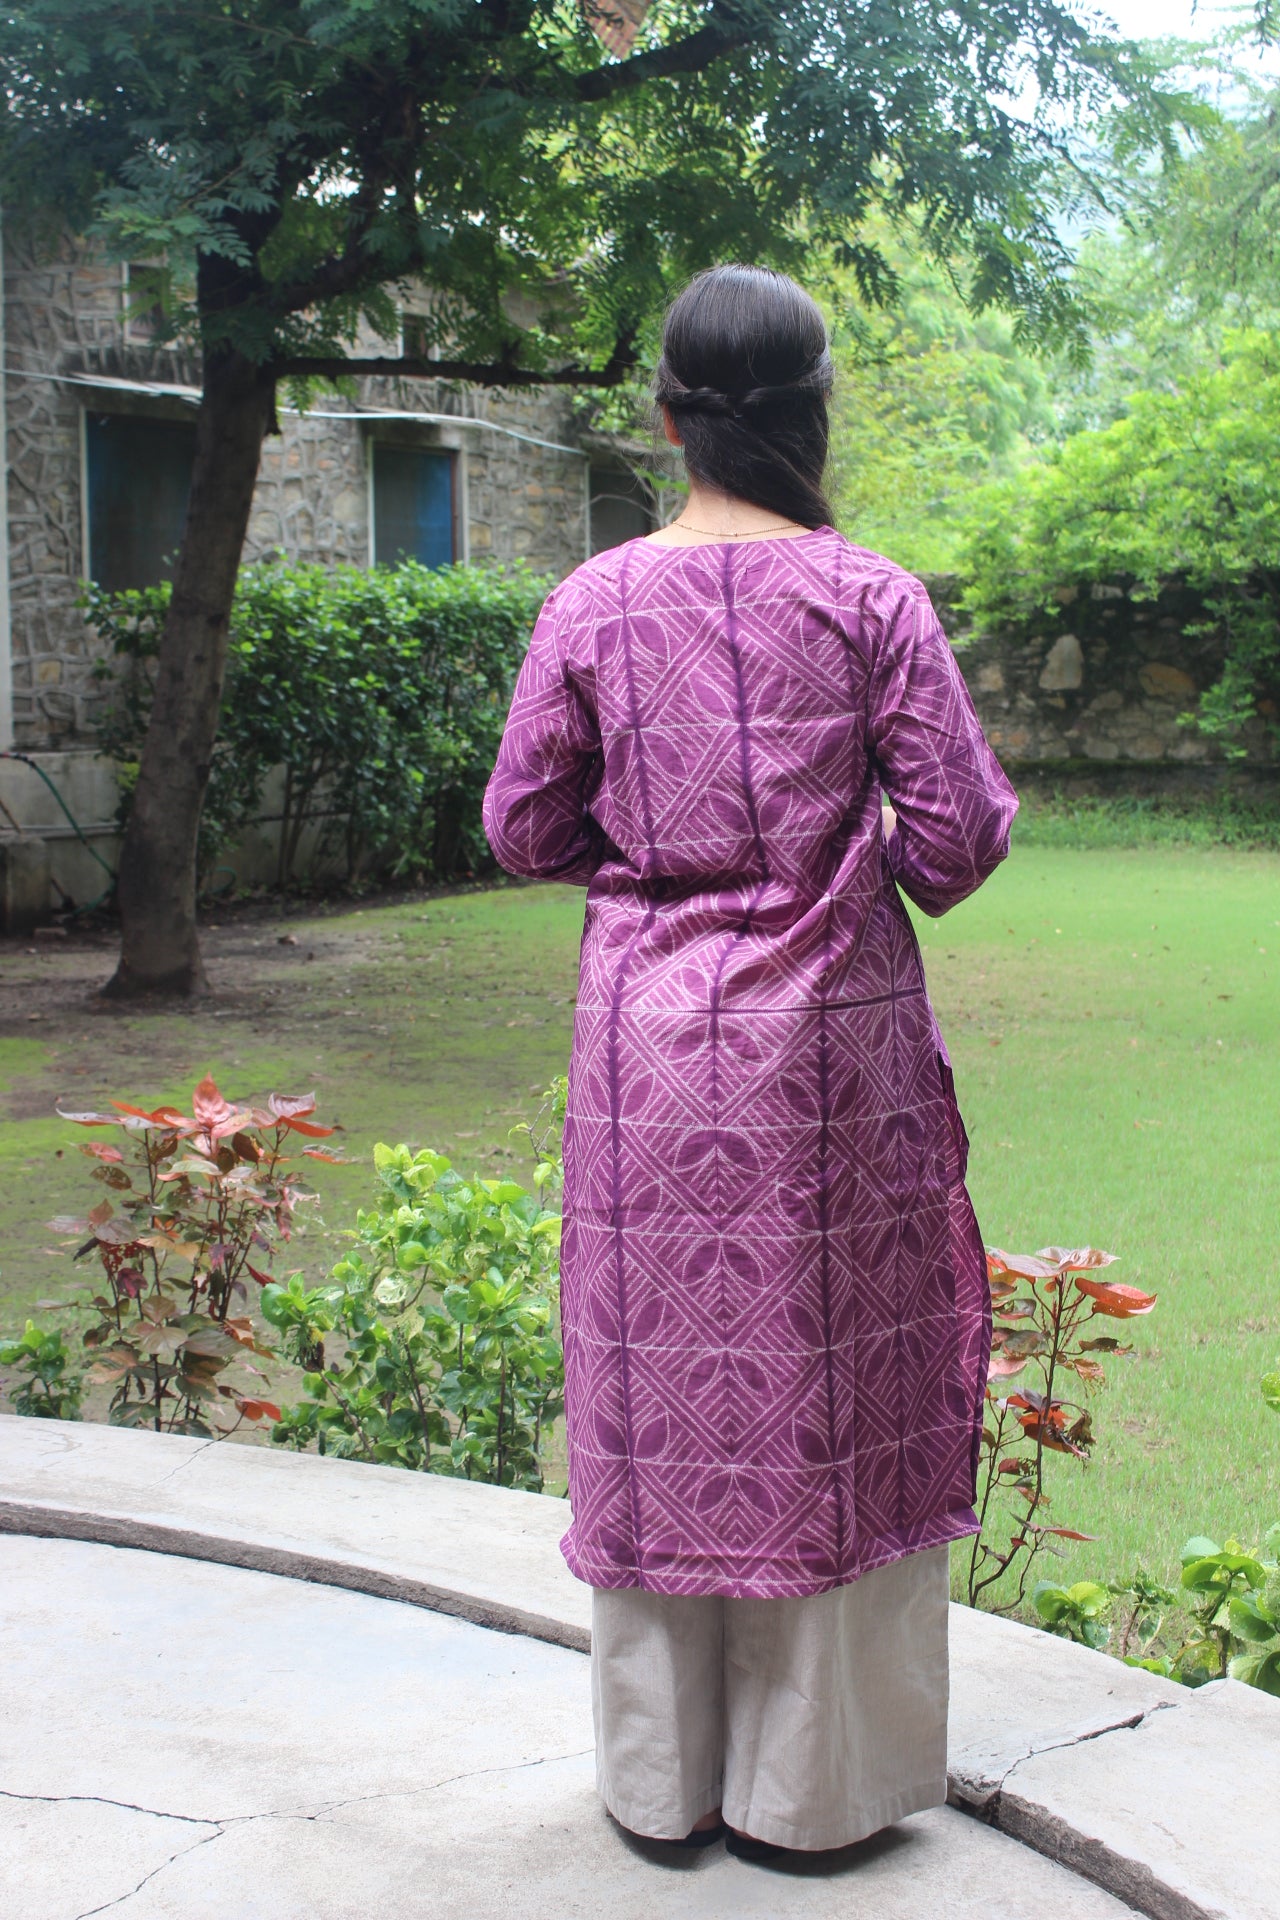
(160, 948)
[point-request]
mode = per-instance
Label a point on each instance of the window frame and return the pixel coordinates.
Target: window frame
(438, 449)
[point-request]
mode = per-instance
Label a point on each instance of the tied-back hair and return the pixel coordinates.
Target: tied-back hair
(746, 372)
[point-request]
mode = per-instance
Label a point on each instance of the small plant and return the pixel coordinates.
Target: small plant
(51, 1388)
(1077, 1612)
(1146, 1603)
(445, 1308)
(1231, 1609)
(1231, 1597)
(198, 1205)
(1041, 1305)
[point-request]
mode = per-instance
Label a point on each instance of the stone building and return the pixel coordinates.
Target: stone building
(97, 421)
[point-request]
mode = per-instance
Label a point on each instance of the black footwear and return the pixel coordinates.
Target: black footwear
(706, 1837)
(743, 1847)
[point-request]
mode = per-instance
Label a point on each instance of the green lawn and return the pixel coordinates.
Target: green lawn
(1113, 1018)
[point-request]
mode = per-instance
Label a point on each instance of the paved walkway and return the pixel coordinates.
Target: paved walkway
(314, 1637)
(198, 1742)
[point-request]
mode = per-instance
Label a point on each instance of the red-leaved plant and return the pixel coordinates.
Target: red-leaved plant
(201, 1202)
(1041, 1305)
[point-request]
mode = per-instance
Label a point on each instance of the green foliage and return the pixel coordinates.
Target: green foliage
(1076, 1612)
(1218, 819)
(1231, 1624)
(1193, 258)
(1183, 487)
(930, 400)
(312, 156)
(381, 693)
(1231, 1598)
(201, 1201)
(445, 1308)
(50, 1388)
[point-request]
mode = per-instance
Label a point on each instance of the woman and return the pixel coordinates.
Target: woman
(774, 1296)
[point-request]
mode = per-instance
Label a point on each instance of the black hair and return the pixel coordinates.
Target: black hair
(745, 371)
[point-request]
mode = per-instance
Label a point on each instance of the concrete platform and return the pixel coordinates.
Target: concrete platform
(197, 1742)
(1164, 1798)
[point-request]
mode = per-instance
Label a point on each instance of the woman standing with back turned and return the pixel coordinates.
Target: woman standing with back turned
(774, 1295)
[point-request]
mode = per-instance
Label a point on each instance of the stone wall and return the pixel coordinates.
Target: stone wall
(1095, 701)
(65, 327)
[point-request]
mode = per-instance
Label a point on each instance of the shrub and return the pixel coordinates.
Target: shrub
(1041, 1306)
(451, 1362)
(201, 1201)
(381, 694)
(50, 1388)
(1231, 1598)
(1183, 488)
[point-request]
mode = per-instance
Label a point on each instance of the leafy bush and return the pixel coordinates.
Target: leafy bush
(445, 1307)
(51, 1388)
(1041, 1305)
(1231, 1598)
(1076, 1611)
(200, 1200)
(1182, 488)
(382, 695)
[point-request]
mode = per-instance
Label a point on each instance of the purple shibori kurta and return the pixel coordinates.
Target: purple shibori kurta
(774, 1295)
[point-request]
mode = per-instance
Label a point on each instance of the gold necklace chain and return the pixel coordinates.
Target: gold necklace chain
(750, 533)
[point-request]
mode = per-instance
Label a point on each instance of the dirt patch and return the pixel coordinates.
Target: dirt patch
(431, 1019)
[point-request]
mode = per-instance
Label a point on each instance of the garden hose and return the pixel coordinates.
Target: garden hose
(8, 753)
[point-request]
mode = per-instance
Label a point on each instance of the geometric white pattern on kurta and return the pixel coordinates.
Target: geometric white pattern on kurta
(774, 1297)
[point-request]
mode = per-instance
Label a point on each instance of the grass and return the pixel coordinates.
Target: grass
(1092, 821)
(1113, 1018)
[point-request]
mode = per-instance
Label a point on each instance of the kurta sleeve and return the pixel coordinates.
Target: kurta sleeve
(953, 803)
(535, 806)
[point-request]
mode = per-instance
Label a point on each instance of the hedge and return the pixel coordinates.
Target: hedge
(382, 695)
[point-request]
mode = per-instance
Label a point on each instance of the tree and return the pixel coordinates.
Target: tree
(308, 155)
(1192, 257)
(1164, 466)
(931, 400)
(1183, 487)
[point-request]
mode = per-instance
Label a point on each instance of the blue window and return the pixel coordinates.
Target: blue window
(139, 476)
(413, 506)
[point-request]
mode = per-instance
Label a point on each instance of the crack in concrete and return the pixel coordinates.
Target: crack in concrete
(408, 1793)
(101, 1800)
(163, 1867)
(326, 1807)
(1129, 1725)
(988, 1808)
(193, 1455)
(223, 1823)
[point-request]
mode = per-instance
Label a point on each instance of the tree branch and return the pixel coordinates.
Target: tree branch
(478, 373)
(708, 44)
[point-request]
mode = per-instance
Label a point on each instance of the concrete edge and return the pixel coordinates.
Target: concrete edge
(120, 1518)
(1089, 1858)
(259, 1556)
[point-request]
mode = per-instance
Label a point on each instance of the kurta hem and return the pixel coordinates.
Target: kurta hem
(693, 1581)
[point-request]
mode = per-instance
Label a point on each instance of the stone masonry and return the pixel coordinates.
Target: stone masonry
(70, 346)
(1095, 701)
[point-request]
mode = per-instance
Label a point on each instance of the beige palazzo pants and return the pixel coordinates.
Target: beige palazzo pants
(812, 1722)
